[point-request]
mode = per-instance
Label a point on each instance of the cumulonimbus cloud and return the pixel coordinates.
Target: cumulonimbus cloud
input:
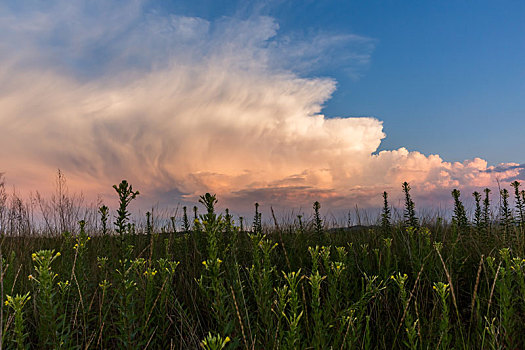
(184, 105)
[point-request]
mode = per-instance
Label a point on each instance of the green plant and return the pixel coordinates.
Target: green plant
(213, 225)
(318, 325)
(486, 211)
(126, 195)
(173, 225)
(17, 303)
(104, 213)
(249, 290)
(318, 222)
(262, 280)
(388, 257)
(410, 213)
(445, 339)
(47, 309)
(410, 323)
(209, 201)
(82, 239)
(241, 224)
(128, 318)
(212, 285)
(459, 219)
(185, 221)
(505, 286)
(294, 314)
(505, 212)
(478, 221)
(257, 224)
(519, 203)
(385, 214)
(214, 342)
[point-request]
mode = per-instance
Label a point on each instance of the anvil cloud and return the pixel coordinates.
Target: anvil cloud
(181, 105)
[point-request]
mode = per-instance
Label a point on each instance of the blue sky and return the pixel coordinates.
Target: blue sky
(446, 77)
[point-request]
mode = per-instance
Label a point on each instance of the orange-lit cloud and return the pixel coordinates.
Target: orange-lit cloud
(184, 106)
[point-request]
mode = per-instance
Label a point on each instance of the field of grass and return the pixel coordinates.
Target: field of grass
(91, 279)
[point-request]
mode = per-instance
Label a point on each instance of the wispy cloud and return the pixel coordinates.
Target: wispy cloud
(182, 105)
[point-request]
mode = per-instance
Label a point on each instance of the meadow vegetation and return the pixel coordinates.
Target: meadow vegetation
(91, 277)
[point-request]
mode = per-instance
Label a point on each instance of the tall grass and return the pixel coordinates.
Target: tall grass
(214, 285)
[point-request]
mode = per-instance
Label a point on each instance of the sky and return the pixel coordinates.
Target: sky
(280, 102)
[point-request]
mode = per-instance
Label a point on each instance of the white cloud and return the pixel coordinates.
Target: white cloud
(175, 103)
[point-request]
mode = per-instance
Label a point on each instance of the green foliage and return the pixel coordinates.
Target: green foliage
(443, 291)
(17, 304)
(45, 296)
(104, 213)
(281, 289)
(257, 223)
(410, 213)
(385, 214)
(214, 342)
(318, 222)
(241, 224)
(505, 211)
(173, 225)
(209, 201)
(486, 221)
(126, 195)
(478, 223)
(411, 323)
(519, 203)
(196, 225)
(185, 221)
(459, 219)
(318, 325)
(294, 314)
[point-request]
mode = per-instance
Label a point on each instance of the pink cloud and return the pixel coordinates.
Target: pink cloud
(214, 114)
